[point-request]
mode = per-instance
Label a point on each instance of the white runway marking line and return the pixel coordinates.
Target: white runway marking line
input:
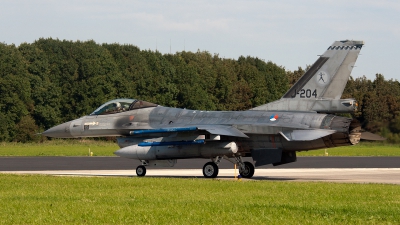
(389, 176)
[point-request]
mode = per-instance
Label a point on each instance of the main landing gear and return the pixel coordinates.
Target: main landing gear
(247, 171)
(210, 169)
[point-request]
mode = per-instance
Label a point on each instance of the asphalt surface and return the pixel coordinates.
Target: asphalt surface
(118, 163)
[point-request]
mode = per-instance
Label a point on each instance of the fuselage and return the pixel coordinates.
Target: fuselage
(263, 128)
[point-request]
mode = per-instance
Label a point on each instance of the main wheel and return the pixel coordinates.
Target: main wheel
(210, 170)
(140, 171)
(248, 171)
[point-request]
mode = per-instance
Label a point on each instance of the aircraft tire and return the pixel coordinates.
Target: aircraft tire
(249, 170)
(210, 170)
(140, 171)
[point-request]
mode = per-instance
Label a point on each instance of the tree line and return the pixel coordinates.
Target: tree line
(51, 81)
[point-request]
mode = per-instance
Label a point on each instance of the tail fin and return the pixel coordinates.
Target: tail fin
(321, 87)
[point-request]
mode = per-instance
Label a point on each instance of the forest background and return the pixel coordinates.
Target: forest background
(50, 81)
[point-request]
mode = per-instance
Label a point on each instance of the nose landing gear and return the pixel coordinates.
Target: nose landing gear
(141, 171)
(210, 170)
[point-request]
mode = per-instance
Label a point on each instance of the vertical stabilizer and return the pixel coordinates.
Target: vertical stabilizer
(323, 83)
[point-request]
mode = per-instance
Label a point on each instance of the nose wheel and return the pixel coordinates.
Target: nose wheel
(210, 170)
(141, 171)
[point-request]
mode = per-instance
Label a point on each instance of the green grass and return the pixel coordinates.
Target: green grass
(59, 147)
(362, 149)
(36, 199)
(80, 147)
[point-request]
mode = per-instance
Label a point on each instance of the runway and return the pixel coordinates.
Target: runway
(118, 163)
(328, 169)
(378, 175)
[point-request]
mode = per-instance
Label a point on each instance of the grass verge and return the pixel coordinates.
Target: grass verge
(81, 147)
(362, 149)
(36, 199)
(59, 147)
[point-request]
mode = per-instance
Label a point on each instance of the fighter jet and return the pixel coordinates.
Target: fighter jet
(303, 119)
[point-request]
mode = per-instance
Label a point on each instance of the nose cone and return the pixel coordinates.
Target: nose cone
(59, 131)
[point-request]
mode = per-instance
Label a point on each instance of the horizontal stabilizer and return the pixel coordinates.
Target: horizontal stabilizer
(371, 136)
(222, 130)
(305, 135)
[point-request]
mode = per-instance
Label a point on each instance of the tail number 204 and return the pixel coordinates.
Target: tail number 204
(305, 93)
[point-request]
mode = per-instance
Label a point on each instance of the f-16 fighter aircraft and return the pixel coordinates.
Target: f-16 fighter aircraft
(303, 119)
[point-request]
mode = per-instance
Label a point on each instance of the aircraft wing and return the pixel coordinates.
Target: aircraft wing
(222, 130)
(291, 134)
(212, 129)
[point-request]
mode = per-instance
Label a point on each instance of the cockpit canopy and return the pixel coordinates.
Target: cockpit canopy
(121, 105)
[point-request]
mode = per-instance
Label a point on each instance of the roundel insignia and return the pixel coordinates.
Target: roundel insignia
(322, 78)
(273, 117)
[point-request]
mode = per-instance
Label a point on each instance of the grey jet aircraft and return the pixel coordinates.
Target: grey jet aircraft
(303, 119)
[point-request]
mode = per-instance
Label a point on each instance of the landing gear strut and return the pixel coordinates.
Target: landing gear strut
(246, 169)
